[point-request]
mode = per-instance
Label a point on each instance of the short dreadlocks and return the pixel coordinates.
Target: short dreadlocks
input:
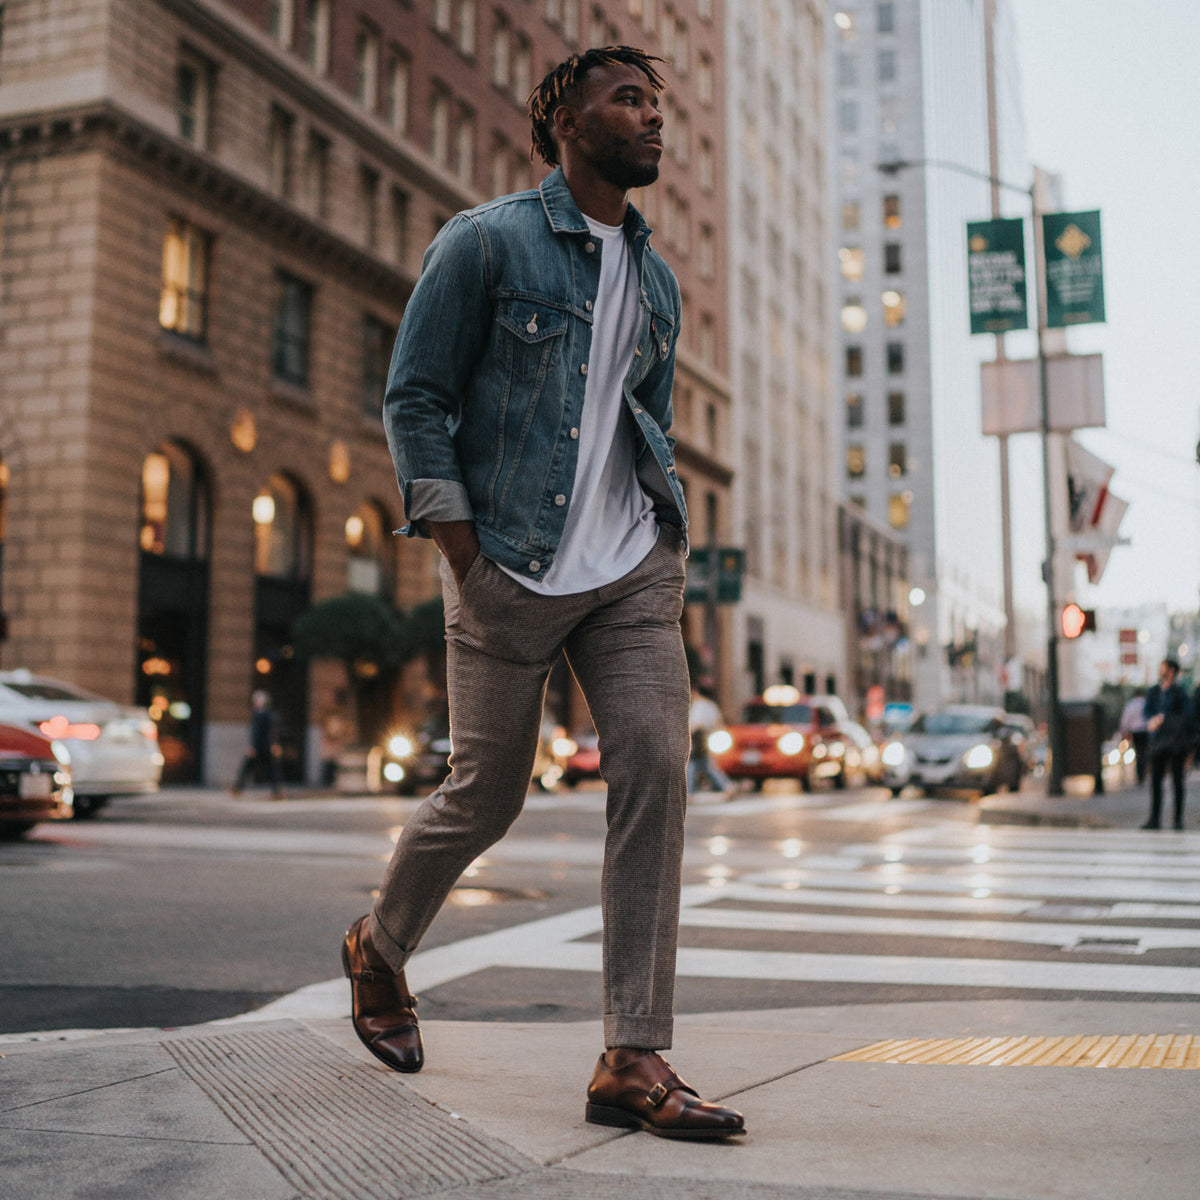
(563, 83)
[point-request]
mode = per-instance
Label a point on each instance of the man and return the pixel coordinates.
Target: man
(527, 410)
(263, 751)
(1169, 723)
(703, 717)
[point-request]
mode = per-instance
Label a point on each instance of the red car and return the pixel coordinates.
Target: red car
(784, 735)
(35, 784)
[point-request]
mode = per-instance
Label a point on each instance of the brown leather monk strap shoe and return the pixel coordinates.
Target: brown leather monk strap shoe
(382, 1011)
(647, 1094)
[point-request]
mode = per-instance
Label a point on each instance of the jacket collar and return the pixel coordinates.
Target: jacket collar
(563, 213)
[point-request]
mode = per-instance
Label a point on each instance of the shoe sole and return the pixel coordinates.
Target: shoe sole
(404, 1069)
(619, 1118)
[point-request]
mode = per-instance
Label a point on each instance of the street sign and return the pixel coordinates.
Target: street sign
(1074, 272)
(996, 275)
(726, 587)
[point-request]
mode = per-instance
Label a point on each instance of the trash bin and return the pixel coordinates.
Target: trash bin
(1083, 736)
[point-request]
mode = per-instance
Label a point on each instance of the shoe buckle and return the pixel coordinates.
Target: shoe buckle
(657, 1094)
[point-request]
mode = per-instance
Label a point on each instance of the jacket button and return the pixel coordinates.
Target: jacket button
(588, 305)
(560, 500)
(574, 434)
(590, 247)
(535, 565)
(583, 369)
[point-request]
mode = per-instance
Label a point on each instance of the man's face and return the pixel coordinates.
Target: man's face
(619, 126)
(1166, 675)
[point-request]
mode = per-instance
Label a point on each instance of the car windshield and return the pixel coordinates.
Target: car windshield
(44, 690)
(947, 722)
(758, 713)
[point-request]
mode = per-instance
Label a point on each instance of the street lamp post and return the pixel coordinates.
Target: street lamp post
(1054, 724)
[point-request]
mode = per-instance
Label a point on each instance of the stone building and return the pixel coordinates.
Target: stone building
(211, 216)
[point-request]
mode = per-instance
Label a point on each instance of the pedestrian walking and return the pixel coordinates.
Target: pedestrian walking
(1169, 722)
(262, 755)
(703, 717)
(527, 410)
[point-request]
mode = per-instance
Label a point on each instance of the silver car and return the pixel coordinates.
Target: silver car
(113, 747)
(960, 746)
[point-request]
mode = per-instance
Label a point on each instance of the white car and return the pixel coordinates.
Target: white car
(113, 747)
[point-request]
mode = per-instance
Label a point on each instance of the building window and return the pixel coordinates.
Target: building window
(279, 21)
(891, 258)
(854, 410)
(279, 151)
(316, 35)
(895, 407)
(851, 263)
(847, 69)
(887, 68)
(366, 54)
(290, 337)
(885, 14)
(897, 460)
(900, 510)
(895, 358)
(846, 26)
(280, 515)
(705, 80)
(891, 212)
(522, 70)
(501, 65)
(368, 205)
(848, 116)
(175, 508)
(443, 16)
(370, 551)
(183, 305)
(707, 259)
(466, 27)
(856, 460)
(397, 91)
(464, 145)
(316, 173)
(193, 96)
(705, 173)
(377, 350)
(439, 125)
(851, 215)
(708, 340)
(893, 308)
(854, 315)
(400, 213)
(854, 361)
(501, 159)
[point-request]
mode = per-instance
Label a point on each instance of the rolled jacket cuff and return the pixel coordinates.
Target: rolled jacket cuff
(438, 500)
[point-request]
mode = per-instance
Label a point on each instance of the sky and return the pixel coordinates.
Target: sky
(1111, 94)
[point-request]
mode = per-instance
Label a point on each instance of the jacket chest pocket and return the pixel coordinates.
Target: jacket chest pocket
(532, 335)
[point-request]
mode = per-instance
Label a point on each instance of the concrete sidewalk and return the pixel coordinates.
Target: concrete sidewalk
(1124, 803)
(273, 1110)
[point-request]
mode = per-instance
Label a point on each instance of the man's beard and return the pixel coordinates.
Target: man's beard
(622, 173)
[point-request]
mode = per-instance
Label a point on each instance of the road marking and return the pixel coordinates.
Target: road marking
(1178, 1051)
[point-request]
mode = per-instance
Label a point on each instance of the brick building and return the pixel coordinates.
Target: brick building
(211, 216)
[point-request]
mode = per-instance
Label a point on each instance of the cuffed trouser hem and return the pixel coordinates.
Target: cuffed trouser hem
(395, 955)
(637, 1032)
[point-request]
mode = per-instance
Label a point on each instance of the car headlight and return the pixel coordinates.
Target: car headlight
(719, 741)
(892, 755)
(791, 743)
(978, 758)
(61, 752)
(400, 746)
(837, 749)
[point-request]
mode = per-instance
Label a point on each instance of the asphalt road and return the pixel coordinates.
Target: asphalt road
(192, 905)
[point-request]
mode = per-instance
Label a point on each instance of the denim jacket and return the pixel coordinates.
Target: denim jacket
(485, 390)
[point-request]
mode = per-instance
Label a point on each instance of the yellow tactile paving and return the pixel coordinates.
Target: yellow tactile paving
(1166, 1050)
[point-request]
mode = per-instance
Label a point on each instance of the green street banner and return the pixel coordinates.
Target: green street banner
(722, 585)
(996, 274)
(1074, 275)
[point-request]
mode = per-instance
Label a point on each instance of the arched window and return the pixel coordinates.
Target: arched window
(281, 530)
(174, 504)
(370, 551)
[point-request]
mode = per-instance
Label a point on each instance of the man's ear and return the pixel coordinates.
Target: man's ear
(565, 123)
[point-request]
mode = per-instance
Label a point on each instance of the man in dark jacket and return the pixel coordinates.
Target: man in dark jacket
(1169, 722)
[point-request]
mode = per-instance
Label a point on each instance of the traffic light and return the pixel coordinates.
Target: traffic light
(1076, 620)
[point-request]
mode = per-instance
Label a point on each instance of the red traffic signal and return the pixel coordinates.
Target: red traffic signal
(1076, 620)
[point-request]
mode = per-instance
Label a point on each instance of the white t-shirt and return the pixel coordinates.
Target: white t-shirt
(610, 525)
